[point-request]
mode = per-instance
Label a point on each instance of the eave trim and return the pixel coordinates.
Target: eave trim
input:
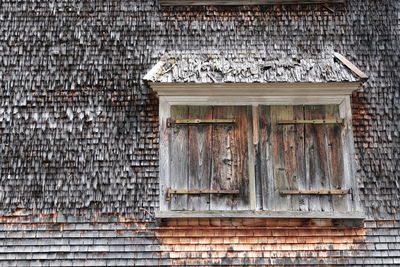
(254, 89)
(351, 66)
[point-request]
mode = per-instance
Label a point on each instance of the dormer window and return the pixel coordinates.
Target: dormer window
(248, 136)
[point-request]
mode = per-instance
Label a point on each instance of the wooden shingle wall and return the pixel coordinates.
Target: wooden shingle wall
(79, 129)
(122, 244)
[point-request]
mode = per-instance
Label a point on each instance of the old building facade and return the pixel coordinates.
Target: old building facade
(83, 181)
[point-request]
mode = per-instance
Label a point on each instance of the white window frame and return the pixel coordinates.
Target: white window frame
(231, 94)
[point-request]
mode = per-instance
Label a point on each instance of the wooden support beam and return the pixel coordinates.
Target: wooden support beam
(197, 192)
(316, 192)
(327, 121)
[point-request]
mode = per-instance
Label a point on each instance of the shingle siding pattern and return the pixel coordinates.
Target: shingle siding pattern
(118, 244)
(79, 129)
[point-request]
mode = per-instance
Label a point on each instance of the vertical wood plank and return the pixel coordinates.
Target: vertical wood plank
(316, 158)
(229, 158)
(244, 179)
(264, 178)
(179, 158)
(300, 175)
(335, 158)
(252, 142)
(199, 157)
(353, 201)
(281, 155)
(297, 166)
(222, 159)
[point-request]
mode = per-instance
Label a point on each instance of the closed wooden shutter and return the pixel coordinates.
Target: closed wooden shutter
(301, 158)
(209, 156)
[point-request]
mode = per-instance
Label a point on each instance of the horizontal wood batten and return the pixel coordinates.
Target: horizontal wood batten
(354, 215)
(197, 192)
(200, 121)
(327, 121)
(194, 192)
(315, 192)
(235, 3)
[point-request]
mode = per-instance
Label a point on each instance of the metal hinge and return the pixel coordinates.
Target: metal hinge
(322, 121)
(197, 192)
(170, 121)
(351, 193)
(316, 192)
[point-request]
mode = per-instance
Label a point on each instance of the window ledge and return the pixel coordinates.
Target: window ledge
(261, 214)
(235, 2)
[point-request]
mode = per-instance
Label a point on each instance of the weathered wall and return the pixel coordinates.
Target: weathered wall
(124, 244)
(78, 128)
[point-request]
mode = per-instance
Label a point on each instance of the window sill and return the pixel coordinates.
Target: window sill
(359, 216)
(253, 2)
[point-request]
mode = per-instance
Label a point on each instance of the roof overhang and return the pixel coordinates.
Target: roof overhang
(273, 88)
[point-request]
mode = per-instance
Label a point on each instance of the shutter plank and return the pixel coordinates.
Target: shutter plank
(179, 158)
(300, 139)
(288, 158)
(264, 181)
(199, 157)
(335, 159)
(282, 155)
(290, 154)
(229, 158)
(242, 136)
(316, 157)
(222, 159)
(300, 202)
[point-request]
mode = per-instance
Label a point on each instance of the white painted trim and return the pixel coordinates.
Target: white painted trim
(251, 100)
(254, 95)
(155, 71)
(254, 89)
(351, 66)
(164, 113)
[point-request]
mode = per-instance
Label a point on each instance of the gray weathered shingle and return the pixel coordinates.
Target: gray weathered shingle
(220, 67)
(79, 128)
